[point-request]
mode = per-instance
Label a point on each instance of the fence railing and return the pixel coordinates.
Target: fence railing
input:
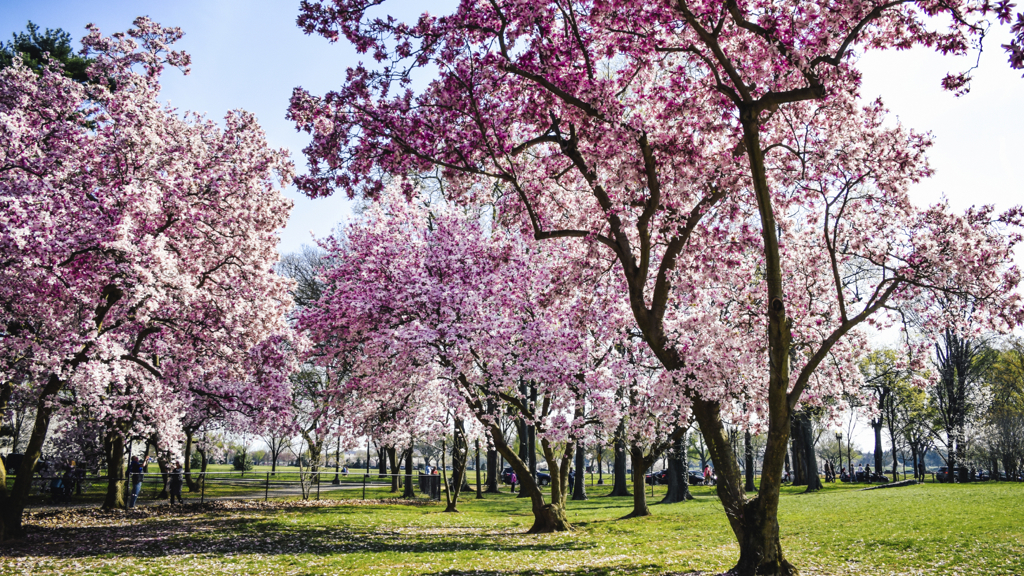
(251, 485)
(240, 485)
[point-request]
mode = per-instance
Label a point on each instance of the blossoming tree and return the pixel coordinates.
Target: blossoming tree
(430, 295)
(682, 138)
(134, 242)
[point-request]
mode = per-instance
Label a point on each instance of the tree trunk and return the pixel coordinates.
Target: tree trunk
(164, 477)
(524, 452)
(803, 452)
(396, 467)
(600, 465)
(479, 486)
(748, 461)
(876, 425)
(640, 465)
(961, 457)
(4, 497)
(113, 445)
(796, 441)
(14, 507)
(493, 470)
(6, 391)
(754, 521)
(678, 473)
(193, 485)
(408, 493)
(546, 517)
(531, 436)
(619, 486)
(460, 451)
(382, 462)
(951, 457)
(579, 489)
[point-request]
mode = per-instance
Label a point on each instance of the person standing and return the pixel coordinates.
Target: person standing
(135, 475)
(177, 478)
(512, 480)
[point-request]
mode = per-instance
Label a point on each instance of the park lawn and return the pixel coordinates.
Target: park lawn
(925, 529)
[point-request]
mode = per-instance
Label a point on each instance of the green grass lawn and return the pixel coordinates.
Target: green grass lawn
(925, 529)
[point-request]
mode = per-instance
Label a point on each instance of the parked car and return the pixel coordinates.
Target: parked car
(543, 478)
(943, 474)
(661, 478)
(655, 478)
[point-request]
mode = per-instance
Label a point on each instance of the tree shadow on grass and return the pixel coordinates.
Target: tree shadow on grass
(617, 570)
(80, 536)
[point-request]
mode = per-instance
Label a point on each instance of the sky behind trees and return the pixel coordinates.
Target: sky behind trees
(249, 54)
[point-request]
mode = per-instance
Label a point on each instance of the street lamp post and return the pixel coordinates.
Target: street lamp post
(839, 440)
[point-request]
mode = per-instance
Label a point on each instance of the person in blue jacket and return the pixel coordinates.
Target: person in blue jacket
(135, 475)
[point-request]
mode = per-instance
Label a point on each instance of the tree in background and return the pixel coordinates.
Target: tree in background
(34, 49)
(887, 374)
(278, 439)
(961, 361)
(1004, 418)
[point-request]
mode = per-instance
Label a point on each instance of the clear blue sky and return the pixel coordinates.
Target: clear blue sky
(249, 54)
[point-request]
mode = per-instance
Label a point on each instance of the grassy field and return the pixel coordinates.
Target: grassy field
(925, 529)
